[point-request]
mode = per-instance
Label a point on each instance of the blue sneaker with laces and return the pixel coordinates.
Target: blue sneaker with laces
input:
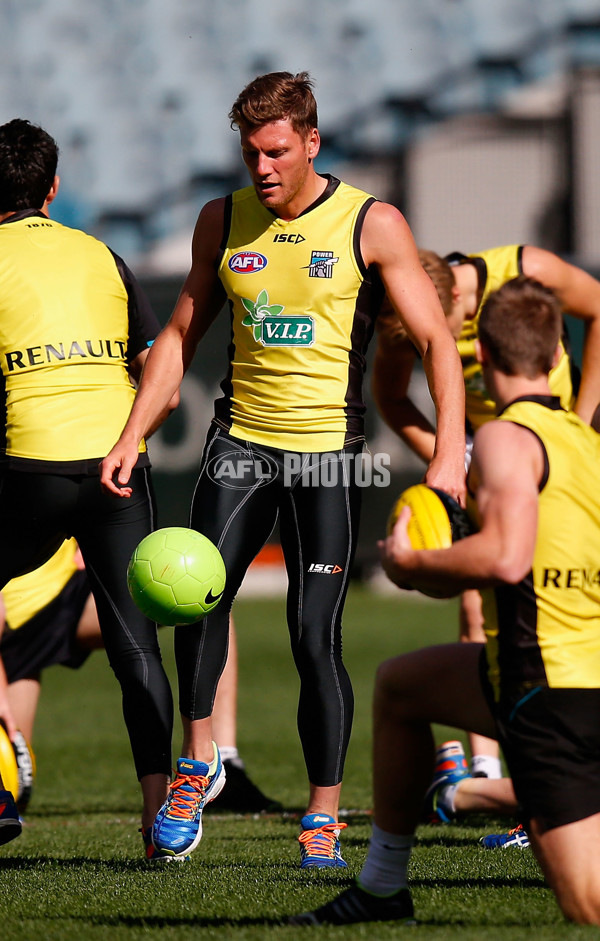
(10, 822)
(450, 768)
(515, 837)
(177, 829)
(320, 843)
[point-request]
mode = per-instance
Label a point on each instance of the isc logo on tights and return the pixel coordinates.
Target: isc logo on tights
(318, 568)
(247, 262)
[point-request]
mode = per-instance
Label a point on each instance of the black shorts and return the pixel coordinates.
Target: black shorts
(49, 636)
(551, 743)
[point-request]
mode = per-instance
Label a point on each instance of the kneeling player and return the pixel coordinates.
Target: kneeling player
(535, 685)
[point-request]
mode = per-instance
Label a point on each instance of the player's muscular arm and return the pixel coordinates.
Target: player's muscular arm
(392, 369)
(135, 369)
(199, 302)
(388, 243)
(579, 293)
(508, 463)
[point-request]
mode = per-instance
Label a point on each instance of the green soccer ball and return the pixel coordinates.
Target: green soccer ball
(176, 576)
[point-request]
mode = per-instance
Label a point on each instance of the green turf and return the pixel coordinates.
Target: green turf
(77, 872)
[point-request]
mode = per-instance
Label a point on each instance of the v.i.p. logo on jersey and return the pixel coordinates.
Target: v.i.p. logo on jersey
(272, 328)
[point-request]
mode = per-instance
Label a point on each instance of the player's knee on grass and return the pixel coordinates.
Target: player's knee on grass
(570, 860)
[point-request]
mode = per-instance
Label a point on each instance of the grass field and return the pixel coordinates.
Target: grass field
(77, 872)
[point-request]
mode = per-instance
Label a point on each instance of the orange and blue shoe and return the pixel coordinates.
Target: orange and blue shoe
(450, 768)
(177, 829)
(10, 822)
(515, 837)
(320, 842)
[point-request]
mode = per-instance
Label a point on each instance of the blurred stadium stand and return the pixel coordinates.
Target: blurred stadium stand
(137, 93)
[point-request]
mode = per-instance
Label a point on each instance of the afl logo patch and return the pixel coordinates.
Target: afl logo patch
(247, 262)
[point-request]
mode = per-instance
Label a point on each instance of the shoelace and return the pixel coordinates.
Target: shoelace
(517, 829)
(183, 804)
(321, 842)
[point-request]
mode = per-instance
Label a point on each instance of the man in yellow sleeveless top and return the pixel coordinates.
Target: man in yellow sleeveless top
(75, 329)
(301, 261)
(463, 283)
(536, 683)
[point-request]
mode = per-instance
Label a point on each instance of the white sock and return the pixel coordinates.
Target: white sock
(228, 753)
(384, 871)
(445, 799)
(487, 765)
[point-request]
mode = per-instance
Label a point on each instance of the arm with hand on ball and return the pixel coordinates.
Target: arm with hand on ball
(507, 466)
(388, 243)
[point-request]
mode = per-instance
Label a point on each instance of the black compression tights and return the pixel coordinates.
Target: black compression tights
(318, 527)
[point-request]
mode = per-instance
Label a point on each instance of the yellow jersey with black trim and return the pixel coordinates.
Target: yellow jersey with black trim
(72, 317)
(302, 306)
(545, 631)
(27, 595)
(494, 268)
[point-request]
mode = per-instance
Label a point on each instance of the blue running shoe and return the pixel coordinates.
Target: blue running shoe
(319, 842)
(450, 768)
(515, 837)
(355, 905)
(157, 856)
(10, 822)
(177, 829)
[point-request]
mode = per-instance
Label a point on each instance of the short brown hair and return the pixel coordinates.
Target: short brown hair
(442, 276)
(28, 160)
(275, 97)
(520, 326)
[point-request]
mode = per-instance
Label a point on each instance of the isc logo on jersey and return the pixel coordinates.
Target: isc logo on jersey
(247, 262)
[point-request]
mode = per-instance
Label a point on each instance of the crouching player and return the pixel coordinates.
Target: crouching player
(47, 616)
(535, 685)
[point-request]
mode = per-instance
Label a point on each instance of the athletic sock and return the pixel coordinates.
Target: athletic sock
(445, 799)
(485, 766)
(384, 871)
(230, 753)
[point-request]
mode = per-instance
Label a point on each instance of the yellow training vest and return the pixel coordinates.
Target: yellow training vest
(63, 342)
(545, 631)
(302, 310)
(495, 267)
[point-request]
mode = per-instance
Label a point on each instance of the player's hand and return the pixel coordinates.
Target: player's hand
(396, 551)
(453, 480)
(115, 469)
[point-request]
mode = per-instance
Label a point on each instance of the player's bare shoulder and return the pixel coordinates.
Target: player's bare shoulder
(510, 449)
(208, 232)
(386, 236)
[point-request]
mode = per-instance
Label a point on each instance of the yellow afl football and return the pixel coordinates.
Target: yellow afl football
(436, 521)
(8, 764)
